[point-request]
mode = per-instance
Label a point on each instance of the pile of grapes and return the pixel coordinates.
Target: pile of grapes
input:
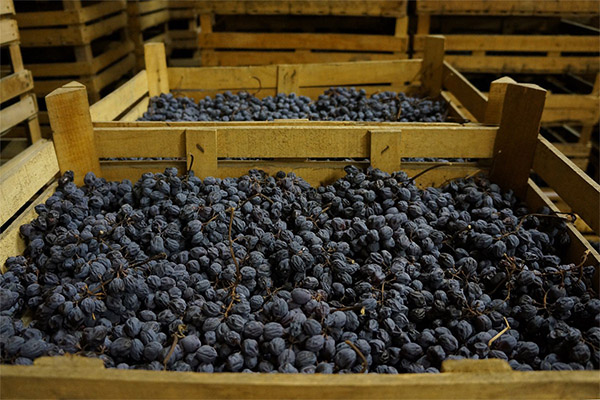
(336, 104)
(268, 274)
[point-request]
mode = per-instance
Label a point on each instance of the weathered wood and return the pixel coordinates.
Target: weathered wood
(433, 64)
(17, 113)
(23, 176)
(467, 94)
(517, 137)
(113, 105)
(6, 7)
(201, 151)
(249, 78)
(385, 149)
(72, 129)
(8, 31)
(572, 184)
(524, 64)
(156, 68)
(136, 111)
(287, 79)
(495, 101)
(561, 8)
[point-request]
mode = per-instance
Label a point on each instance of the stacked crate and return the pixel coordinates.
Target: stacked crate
(267, 32)
(75, 40)
(148, 22)
(18, 106)
(184, 26)
(538, 38)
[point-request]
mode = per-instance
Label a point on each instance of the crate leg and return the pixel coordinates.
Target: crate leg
(156, 68)
(493, 111)
(423, 24)
(517, 137)
(432, 67)
(69, 113)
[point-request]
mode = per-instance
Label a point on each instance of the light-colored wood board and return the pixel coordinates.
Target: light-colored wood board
(23, 176)
(8, 31)
(222, 77)
(532, 43)
(136, 111)
(283, 122)
(7, 7)
(572, 184)
(310, 41)
(432, 66)
(456, 111)
(17, 113)
(154, 19)
(68, 377)
(509, 7)
(11, 242)
(145, 142)
(467, 94)
(229, 58)
(156, 69)
(144, 7)
(114, 104)
(16, 84)
(524, 64)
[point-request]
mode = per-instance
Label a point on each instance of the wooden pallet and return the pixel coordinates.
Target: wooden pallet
(184, 27)
(148, 22)
(485, 37)
(18, 106)
(512, 146)
(272, 47)
(429, 77)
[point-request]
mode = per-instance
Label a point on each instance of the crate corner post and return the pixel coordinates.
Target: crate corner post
(73, 133)
(433, 64)
(515, 144)
(156, 68)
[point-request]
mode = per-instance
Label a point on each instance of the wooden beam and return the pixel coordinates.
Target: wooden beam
(156, 68)
(433, 65)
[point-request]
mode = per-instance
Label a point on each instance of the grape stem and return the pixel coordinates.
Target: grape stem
(360, 354)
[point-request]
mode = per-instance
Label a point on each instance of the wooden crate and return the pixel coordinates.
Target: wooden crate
(275, 46)
(89, 41)
(572, 110)
(184, 27)
(427, 77)
(19, 123)
(148, 22)
(512, 148)
(487, 36)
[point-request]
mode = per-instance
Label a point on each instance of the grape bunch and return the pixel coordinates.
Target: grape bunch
(268, 274)
(336, 104)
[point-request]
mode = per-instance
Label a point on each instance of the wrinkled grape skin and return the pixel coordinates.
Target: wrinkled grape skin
(367, 274)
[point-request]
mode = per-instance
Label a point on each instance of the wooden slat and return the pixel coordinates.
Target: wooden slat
(69, 16)
(66, 377)
(311, 41)
(156, 69)
(532, 43)
(283, 142)
(15, 84)
(6, 7)
(524, 64)
(536, 199)
(509, 7)
(229, 58)
(113, 105)
(136, 111)
(17, 113)
(11, 242)
(143, 7)
(573, 185)
(8, 31)
(101, 9)
(23, 176)
(222, 77)
(468, 95)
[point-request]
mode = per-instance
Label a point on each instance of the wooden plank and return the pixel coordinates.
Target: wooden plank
(148, 21)
(23, 176)
(114, 104)
(156, 69)
(47, 18)
(269, 141)
(201, 151)
(17, 113)
(467, 94)
(287, 79)
(229, 58)
(101, 9)
(310, 41)
(385, 149)
(495, 103)
(536, 199)
(508, 7)
(7, 7)
(144, 7)
(8, 31)
(531, 43)
(66, 376)
(223, 77)
(573, 185)
(524, 64)
(433, 65)
(11, 242)
(517, 137)
(73, 135)
(104, 27)
(136, 111)
(15, 85)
